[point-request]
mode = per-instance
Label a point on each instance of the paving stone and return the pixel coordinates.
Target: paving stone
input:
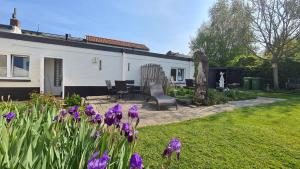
(149, 115)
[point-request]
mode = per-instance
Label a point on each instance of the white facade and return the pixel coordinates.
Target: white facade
(81, 66)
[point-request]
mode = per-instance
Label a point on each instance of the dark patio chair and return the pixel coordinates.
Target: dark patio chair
(189, 83)
(121, 88)
(161, 99)
(133, 89)
(110, 90)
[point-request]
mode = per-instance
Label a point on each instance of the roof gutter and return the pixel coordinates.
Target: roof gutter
(84, 45)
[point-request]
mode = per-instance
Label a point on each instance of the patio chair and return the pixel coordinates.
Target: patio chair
(109, 88)
(189, 83)
(157, 93)
(133, 89)
(121, 88)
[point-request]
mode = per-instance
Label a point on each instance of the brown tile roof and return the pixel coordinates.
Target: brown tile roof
(113, 42)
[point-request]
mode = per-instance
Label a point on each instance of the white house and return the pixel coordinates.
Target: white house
(61, 65)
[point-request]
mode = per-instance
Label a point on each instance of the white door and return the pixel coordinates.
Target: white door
(53, 76)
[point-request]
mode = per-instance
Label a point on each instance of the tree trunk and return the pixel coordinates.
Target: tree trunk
(201, 77)
(275, 75)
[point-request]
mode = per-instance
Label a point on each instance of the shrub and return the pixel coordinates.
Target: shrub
(171, 91)
(75, 99)
(239, 95)
(216, 97)
(43, 99)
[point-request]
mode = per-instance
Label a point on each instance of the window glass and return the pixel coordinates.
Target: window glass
(180, 74)
(57, 72)
(3, 66)
(20, 66)
(173, 74)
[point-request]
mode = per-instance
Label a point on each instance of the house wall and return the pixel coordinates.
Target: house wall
(137, 61)
(81, 72)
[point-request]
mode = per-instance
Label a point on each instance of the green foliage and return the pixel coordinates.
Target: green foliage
(75, 99)
(265, 136)
(249, 62)
(43, 100)
(175, 92)
(216, 97)
(34, 140)
(288, 68)
(228, 33)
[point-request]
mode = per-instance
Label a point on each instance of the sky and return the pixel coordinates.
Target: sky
(162, 25)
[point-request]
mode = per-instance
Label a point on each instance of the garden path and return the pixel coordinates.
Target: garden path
(149, 115)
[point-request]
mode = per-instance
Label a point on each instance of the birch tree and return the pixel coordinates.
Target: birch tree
(276, 24)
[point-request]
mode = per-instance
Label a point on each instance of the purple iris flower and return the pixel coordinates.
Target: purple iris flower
(98, 118)
(133, 112)
(117, 110)
(9, 116)
(98, 163)
(73, 109)
(113, 116)
(173, 146)
(136, 161)
(126, 128)
(132, 135)
(63, 112)
(109, 117)
(76, 116)
(89, 110)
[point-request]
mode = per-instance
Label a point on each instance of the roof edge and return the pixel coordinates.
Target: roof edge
(85, 45)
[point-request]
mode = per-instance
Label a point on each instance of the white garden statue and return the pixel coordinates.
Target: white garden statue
(221, 81)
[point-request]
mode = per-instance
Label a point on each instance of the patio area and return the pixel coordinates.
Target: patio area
(149, 115)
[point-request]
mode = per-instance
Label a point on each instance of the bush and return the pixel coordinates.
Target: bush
(180, 92)
(43, 99)
(75, 99)
(256, 67)
(239, 95)
(216, 97)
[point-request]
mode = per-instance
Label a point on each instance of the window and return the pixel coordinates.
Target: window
(177, 74)
(57, 72)
(180, 74)
(173, 74)
(100, 64)
(20, 66)
(3, 66)
(14, 66)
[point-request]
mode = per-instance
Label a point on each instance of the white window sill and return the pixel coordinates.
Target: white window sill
(15, 79)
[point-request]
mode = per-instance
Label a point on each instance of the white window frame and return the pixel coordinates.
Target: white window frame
(9, 68)
(2, 54)
(184, 73)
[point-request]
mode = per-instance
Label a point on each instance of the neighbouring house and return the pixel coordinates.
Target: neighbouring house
(61, 65)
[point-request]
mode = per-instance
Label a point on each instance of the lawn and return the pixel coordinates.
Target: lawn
(266, 136)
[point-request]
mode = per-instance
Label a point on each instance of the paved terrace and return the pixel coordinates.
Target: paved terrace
(149, 115)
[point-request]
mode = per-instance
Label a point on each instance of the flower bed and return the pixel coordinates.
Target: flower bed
(185, 96)
(40, 134)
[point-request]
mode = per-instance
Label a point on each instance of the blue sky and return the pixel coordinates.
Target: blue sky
(162, 25)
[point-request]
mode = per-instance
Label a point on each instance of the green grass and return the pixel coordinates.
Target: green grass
(266, 136)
